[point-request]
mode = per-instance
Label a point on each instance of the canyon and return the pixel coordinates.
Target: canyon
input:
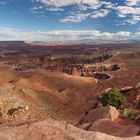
(53, 91)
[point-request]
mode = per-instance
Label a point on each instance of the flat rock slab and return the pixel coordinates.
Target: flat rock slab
(52, 130)
(113, 128)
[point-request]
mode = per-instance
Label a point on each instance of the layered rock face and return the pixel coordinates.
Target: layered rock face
(55, 62)
(52, 130)
(76, 66)
(83, 70)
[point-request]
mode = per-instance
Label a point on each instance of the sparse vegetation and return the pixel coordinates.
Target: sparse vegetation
(113, 97)
(127, 113)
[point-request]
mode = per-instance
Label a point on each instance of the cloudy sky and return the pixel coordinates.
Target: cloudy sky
(44, 20)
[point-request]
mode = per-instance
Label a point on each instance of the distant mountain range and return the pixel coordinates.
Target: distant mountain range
(76, 42)
(89, 42)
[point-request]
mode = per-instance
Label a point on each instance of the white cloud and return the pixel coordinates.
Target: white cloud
(58, 3)
(100, 13)
(38, 9)
(91, 8)
(109, 5)
(125, 10)
(63, 35)
(130, 13)
(82, 4)
(123, 34)
(121, 15)
(62, 3)
(132, 2)
(135, 19)
(77, 17)
(137, 35)
(55, 9)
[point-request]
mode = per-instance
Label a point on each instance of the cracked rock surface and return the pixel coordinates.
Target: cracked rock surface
(52, 130)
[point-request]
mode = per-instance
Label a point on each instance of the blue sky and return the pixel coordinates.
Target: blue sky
(48, 20)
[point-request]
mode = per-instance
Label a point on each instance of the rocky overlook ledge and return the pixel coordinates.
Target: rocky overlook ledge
(50, 129)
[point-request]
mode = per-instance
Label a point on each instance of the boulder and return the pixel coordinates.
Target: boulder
(113, 128)
(52, 130)
(127, 88)
(107, 112)
(137, 86)
(107, 90)
(138, 97)
(137, 120)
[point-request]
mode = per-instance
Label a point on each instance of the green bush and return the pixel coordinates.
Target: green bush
(127, 113)
(113, 97)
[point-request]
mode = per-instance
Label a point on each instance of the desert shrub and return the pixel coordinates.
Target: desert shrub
(127, 113)
(113, 97)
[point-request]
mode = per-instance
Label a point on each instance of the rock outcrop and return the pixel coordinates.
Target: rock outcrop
(52, 130)
(113, 128)
(89, 71)
(108, 112)
(137, 86)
